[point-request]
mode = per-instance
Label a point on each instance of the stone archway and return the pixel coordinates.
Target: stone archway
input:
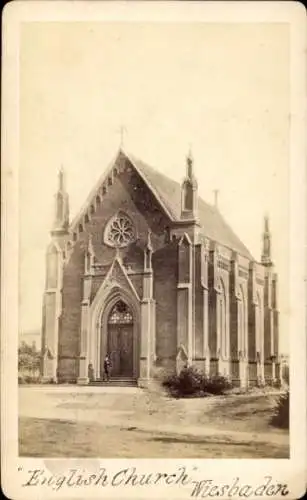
(118, 335)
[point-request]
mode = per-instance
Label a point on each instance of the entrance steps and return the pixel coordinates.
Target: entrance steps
(115, 382)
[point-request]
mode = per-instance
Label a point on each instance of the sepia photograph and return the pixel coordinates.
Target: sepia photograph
(147, 279)
(154, 243)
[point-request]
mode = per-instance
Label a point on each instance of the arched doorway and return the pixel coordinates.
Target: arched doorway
(120, 340)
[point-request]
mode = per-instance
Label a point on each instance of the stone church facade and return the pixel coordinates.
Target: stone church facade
(151, 274)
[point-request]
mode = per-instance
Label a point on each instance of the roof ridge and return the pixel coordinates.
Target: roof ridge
(153, 169)
(93, 192)
(168, 193)
(235, 244)
(133, 159)
(140, 165)
(166, 177)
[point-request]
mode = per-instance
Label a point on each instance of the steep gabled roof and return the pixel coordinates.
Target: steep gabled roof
(168, 193)
(90, 198)
(167, 190)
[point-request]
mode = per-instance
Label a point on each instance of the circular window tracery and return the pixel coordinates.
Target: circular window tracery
(120, 231)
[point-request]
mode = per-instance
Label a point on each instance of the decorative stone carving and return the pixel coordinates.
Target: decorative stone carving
(120, 231)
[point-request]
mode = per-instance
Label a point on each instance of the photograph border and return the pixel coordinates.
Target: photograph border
(14, 468)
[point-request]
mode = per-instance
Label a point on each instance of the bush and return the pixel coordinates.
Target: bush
(193, 383)
(187, 383)
(28, 379)
(273, 384)
(217, 385)
(281, 416)
(48, 381)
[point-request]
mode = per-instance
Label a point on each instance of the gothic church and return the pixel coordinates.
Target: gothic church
(151, 274)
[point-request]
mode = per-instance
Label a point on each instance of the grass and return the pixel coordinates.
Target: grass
(61, 438)
(245, 413)
(239, 412)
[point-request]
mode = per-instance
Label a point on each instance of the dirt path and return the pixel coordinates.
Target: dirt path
(234, 419)
(45, 438)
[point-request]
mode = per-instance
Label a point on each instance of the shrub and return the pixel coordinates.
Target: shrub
(191, 382)
(187, 383)
(281, 416)
(49, 381)
(28, 379)
(217, 384)
(272, 384)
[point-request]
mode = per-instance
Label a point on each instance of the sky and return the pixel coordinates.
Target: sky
(220, 89)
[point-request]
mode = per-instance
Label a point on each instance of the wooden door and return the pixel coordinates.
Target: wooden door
(120, 340)
(114, 349)
(126, 350)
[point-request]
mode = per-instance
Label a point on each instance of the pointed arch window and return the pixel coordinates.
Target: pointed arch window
(120, 314)
(242, 322)
(222, 340)
(120, 231)
(259, 326)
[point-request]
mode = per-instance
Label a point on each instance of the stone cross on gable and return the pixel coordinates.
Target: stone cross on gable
(216, 197)
(122, 130)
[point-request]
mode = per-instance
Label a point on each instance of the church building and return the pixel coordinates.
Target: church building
(153, 276)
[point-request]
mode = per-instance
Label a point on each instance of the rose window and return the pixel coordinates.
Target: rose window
(120, 231)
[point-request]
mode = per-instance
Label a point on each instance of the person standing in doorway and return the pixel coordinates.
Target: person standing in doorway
(106, 368)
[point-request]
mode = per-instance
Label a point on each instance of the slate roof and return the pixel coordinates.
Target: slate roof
(168, 192)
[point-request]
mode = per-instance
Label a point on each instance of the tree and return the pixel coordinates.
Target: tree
(28, 358)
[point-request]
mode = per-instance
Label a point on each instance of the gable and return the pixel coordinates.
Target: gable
(115, 279)
(128, 198)
(156, 192)
(117, 276)
(142, 194)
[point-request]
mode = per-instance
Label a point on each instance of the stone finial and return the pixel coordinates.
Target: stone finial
(89, 255)
(189, 187)
(190, 173)
(148, 253)
(266, 258)
(90, 247)
(61, 179)
(190, 176)
(61, 216)
(149, 243)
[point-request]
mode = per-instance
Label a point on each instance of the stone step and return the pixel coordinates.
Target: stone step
(115, 382)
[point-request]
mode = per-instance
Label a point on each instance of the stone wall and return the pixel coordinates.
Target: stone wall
(165, 293)
(125, 192)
